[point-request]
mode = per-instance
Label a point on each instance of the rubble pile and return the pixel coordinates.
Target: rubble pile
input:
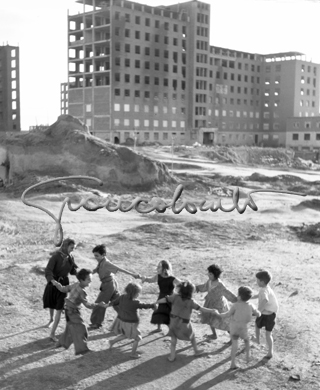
(67, 148)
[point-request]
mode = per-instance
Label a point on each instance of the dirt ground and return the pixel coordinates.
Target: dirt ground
(241, 244)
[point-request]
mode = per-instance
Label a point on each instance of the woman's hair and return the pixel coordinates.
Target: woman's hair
(264, 276)
(83, 273)
(186, 289)
(166, 267)
(132, 290)
(65, 245)
(215, 270)
(101, 249)
(245, 293)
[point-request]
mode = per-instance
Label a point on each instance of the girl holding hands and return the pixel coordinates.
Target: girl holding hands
(166, 282)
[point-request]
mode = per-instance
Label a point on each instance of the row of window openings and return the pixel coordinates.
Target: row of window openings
(202, 18)
(127, 78)
(13, 116)
(306, 103)
(277, 67)
(105, 66)
(245, 102)
(145, 94)
(239, 77)
(307, 125)
(306, 137)
(244, 90)
(237, 126)
(314, 83)
(244, 136)
(232, 65)
(156, 136)
(13, 62)
(147, 123)
(147, 51)
(156, 37)
(137, 20)
(303, 69)
(136, 108)
(306, 114)
(307, 92)
(236, 114)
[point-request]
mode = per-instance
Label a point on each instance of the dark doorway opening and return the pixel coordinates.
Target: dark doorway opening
(208, 138)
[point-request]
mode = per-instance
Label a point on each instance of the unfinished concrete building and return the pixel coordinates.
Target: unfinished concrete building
(128, 72)
(149, 73)
(9, 89)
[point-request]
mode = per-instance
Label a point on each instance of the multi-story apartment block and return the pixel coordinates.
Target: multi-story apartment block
(9, 89)
(150, 72)
(303, 133)
(64, 98)
(255, 94)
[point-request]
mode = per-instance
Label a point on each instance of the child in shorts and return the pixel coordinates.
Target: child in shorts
(268, 306)
(241, 314)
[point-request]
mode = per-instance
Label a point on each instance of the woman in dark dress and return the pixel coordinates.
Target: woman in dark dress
(60, 265)
(166, 282)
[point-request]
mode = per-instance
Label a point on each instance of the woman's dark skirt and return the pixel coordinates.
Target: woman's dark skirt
(52, 297)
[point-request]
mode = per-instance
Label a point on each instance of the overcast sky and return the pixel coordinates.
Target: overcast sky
(39, 28)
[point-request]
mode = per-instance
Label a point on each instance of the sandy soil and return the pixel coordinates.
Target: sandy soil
(241, 244)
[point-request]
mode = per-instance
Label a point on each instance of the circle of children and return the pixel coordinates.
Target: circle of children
(173, 307)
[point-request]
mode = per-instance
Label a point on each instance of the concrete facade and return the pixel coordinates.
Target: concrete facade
(9, 89)
(64, 99)
(149, 73)
(303, 133)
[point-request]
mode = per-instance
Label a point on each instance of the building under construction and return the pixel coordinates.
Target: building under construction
(151, 73)
(9, 89)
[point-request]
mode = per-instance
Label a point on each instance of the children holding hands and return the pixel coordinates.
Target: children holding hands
(172, 308)
(240, 315)
(126, 325)
(166, 282)
(109, 285)
(180, 326)
(76, 331)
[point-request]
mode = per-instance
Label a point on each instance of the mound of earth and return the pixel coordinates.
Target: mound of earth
(67, 148)
(308, 233)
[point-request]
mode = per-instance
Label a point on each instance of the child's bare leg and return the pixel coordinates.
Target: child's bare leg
(247, 346)
(173, 345)
(117, 339)
(159, 328)
(55, 324)
(134, 348)
(269, 339)
(49, 324)
(214, 333)
(234, 349)
(197, 351)
(257, 338)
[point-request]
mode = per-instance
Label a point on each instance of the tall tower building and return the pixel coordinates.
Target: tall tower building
(9, 89)
(135, 69)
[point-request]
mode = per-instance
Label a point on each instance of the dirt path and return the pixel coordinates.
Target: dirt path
(241, 244)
